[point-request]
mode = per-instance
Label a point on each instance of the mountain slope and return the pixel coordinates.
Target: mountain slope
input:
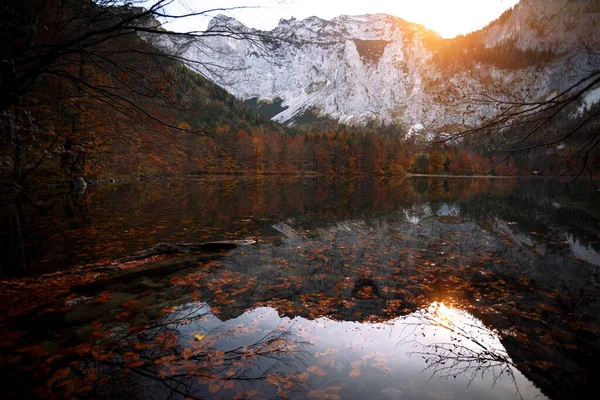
(564, 25)
(114, 107)
(351, 68)
(378, 67)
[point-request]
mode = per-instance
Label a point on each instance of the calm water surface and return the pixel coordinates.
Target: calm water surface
(355, 288)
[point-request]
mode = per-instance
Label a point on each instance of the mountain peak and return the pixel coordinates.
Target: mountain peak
(224, 21)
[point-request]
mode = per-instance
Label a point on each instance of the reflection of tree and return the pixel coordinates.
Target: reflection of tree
(435, 194)
(467, 352)
(551, 332)
(16, 220)
(156, 361)
(521, 117)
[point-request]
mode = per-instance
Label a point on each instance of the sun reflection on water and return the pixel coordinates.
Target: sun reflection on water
(443, 312)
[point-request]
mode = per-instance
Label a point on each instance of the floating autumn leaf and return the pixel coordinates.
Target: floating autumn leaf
(382, 366)
(165, 360)
(326, 352)
(91, 376)
(303, 376)
(245, 395)
(122, 315)
(354, 373)
(317, 370)
(13, 359)
(82, 348)
(136, 364)
(229, 384)
(103, 297)
(214, 387)
(329, 393)
(58, 375)
(327, 361)
(130, 304)
(199, 336)
(101, 356)
(140, 346)
(273, 380)
(96, 324)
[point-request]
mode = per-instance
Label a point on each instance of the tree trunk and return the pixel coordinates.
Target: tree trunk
(17, 173)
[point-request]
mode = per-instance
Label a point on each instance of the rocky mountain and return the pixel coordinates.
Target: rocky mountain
(381, 68)
(563, 25)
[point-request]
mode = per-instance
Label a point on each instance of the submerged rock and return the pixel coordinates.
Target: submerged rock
(78, 185)
(77, 301)
(80, 182)
(6, 162)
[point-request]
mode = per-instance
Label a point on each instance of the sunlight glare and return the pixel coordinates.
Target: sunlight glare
(445, 313)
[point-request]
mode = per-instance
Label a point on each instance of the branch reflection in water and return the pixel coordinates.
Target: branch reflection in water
(454, 344)
(189, 353)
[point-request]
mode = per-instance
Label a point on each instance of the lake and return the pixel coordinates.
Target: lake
(345, 288)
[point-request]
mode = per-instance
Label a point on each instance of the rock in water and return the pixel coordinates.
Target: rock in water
(80, 182)
(79, 185)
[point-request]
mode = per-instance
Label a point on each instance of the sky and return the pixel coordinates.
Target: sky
(447, 17)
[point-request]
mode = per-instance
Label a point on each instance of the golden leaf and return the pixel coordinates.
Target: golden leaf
(229, 384)
(199, 336)
(214, 387)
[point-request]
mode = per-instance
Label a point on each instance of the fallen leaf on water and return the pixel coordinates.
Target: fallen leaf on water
(214, 387)
(58, 375)
(329, 393)
(199, 336)
(245, 395)
(96, 324)
(326, 352)
(136, 364)
(317, 370)
(103, 298)
(130, 304)
(273, 380)
(303, 376)
(355, 373)
(229, 384)
(123, 315)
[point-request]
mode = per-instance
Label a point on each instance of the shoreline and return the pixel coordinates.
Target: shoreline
(92, 181)
(410, 175)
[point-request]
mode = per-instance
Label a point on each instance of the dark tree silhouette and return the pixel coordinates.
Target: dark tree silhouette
(522, 120)
(100, 52)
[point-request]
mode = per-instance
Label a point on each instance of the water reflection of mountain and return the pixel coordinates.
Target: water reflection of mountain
(546, 213)
(546, 306)
(522, 259)
(544, 312)
(57, 230)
